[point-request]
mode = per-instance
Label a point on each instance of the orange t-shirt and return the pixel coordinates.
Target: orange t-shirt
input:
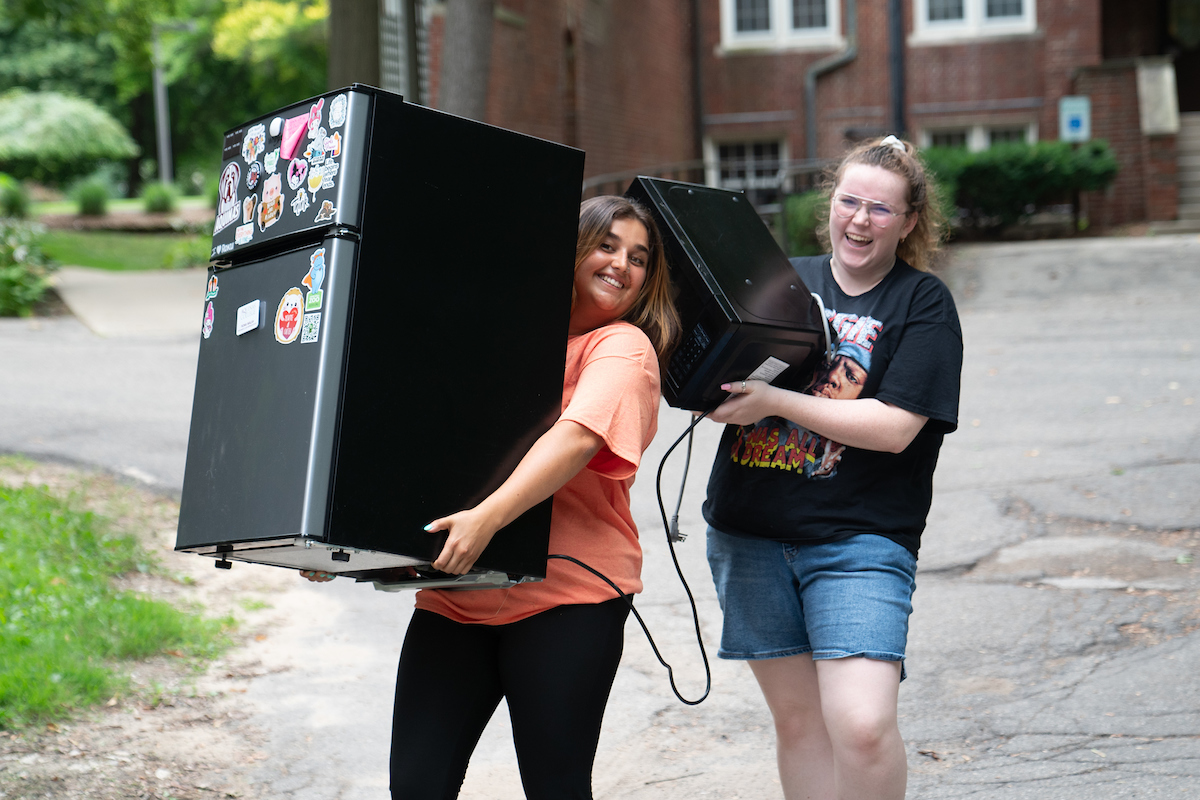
(612, 389)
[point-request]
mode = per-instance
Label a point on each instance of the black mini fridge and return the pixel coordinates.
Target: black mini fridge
(383, 338)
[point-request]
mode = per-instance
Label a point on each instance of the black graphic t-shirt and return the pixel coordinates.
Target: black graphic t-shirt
(900, 343)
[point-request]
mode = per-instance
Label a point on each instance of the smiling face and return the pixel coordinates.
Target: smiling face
(609, 280)
(862, 251)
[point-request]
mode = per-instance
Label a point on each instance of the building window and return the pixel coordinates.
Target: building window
(752, 167)
(978, 137)
(1005, 135)
(780, 24)
(1004, 8)
(950, 20)
(753, 15)
(808, 14)
(948, 138)
(945, 9)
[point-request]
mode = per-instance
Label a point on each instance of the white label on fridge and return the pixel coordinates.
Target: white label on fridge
(249, 317)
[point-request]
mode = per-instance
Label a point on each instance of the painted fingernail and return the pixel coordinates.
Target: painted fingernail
(429, 527)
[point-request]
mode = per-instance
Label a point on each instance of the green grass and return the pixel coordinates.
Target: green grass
(115, 250)
(64, 628)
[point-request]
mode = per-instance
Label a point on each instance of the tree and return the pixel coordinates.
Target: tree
(53, 137)
(242, 59)
(466, 58)
(353, 43)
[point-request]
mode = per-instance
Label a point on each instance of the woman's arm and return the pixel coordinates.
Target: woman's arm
(556, 457)
(868, 424)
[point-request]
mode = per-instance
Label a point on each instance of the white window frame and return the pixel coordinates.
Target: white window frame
(973, 25)
(782, 36)
(978, 137)
(713, 154)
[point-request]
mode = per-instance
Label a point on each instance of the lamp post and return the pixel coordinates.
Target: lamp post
(162, 113)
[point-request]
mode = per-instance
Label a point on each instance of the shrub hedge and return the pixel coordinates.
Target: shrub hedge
(1001, 185)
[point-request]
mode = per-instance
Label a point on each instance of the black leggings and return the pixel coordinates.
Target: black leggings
(555, 669)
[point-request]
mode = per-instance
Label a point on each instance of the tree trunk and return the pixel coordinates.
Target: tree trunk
(353, 43)
(466, 58)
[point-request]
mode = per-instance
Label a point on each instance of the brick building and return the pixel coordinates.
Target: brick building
(754, 89)
(967, 73)
(612, 77)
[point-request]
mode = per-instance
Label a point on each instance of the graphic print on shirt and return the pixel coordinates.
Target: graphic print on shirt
(776, 443)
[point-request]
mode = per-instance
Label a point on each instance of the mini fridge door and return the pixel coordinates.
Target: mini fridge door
(265, 408)
(293, 173)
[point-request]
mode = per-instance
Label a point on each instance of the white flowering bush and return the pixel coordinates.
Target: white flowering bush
(24, 269)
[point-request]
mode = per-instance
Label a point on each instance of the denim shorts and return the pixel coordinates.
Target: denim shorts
(846, 598)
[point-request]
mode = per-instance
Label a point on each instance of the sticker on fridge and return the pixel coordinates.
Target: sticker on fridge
(254, 143)
(248, 206)
(316, 274)
(252, 174)
(243, 233)
(209, 315)
(289, 316)
(311, 328)
(315, 179)
(327, 211)
(314, 117)
(300, 203)
(333, 145)
(211, 291)
(297, 171)
(329, 171)
(271, 160)
(272, 205)
(294, 129)
(337, 111)
(227, 200)
(315, 152)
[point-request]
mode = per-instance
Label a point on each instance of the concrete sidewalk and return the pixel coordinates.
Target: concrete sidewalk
(142, 303)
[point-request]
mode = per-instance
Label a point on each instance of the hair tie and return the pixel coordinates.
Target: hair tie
(892, 141)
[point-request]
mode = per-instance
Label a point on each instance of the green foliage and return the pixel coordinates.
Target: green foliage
(801, 223)
(24, 268)
(52, 137)
(91, 196)
(43, 57)
(101, 49)
(1000, 185)
(946, 164)
(158, 198)
(63, 623)
(14, 198)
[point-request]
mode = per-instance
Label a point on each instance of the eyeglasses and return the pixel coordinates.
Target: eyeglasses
(880, 214)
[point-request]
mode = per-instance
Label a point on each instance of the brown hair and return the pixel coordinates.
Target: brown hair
(926, 236)
(653, 311)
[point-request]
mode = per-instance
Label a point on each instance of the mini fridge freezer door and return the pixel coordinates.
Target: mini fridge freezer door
(293, 172)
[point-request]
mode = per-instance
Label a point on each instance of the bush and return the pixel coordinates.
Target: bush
(52, 138)
(92, 197)
(159, 198)
(1001, 185)
(14, 198)
(24, 269)
(800, 222)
